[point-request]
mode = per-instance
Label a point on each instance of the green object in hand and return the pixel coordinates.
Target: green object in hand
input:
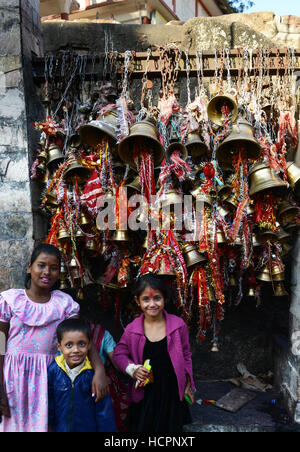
(187, 398)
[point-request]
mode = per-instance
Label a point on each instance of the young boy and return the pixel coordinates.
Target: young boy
(71, 403)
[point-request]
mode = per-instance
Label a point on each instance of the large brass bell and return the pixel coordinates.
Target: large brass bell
(263, 178)
(194, 145)
(231, 203)
(214, 108)
(265, 275)
(93, 132)
(134, 185)
(146, 132)
(63, 233)
(241, 135)
(286, 212)
(293, 175)
(283, 236)
(55, 156)
(191, 255)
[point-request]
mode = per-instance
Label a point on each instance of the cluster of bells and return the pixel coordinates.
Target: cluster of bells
(262, 178)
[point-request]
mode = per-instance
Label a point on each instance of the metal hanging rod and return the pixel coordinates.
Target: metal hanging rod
(269, 61)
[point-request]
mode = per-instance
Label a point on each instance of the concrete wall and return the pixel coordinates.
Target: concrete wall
(16, 222)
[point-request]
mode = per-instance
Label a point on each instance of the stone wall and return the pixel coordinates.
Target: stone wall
(20, 34)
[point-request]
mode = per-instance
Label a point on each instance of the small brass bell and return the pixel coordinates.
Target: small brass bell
(251, 292)
(221, 239)
(73, 263)
(241, 135)
(279, 290)
(83, 220)
(121, 235)
(263, 178)
(79, 234)
(222, 211)
(278, 273)
(283, 236)
(194, 145)
(91, 245)
(43, 156)
(201, 196)
(163, 270)
(265, 275)
(146, 132)
(134, 186)
(191, 255)
(214, 347)
(293, 175)
(75, 169)
(63, 284)
(63, 234)
(55, 156)
(232, 280)
(176, 146)
(214, 108)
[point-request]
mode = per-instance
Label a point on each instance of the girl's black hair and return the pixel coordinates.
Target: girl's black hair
(73, 324)
(154, 282)
(47, 249)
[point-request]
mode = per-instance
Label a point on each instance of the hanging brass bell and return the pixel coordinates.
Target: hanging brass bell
(263, 178)
(121, 235)
(176, 146)
(73, 263)
(222, 211)
(63, 284)
(163, 271)
(79, 234)
(43, 156)
(232, 280)
(91, 245)
(63, 233)
(194, 144)
(267, 236)
(265, 275)
(255, 240)
(83, 220)
(283, 236)
(251, 292)
(224, 191)
(93, 133)
(278, 273)
(134, 185)
(191, 255)
(241, 135)
(75, 169)
(214, 108)
(231, 203)
(214, 347)
(147, 134)
(292, 228)
(221, 239)
(55, 156)
(287, 213)
(172, 197)
(293, 175)
(201, 196)
(279, 289)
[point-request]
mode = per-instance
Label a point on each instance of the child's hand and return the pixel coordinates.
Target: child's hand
(189, 393)
(141, 373)
(100, 386)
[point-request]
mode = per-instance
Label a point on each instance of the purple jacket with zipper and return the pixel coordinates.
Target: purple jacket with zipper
(131, 345)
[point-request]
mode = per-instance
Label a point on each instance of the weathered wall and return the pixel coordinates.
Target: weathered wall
(20, 33)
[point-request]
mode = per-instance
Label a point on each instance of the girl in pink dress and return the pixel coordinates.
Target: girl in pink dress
(28, 318)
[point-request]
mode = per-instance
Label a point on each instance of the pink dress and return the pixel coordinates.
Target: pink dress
(31, 347)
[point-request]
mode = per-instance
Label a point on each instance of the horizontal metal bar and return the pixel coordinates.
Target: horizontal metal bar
(271, 61)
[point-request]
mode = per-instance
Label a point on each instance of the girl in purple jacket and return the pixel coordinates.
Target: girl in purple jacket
(163, 338)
